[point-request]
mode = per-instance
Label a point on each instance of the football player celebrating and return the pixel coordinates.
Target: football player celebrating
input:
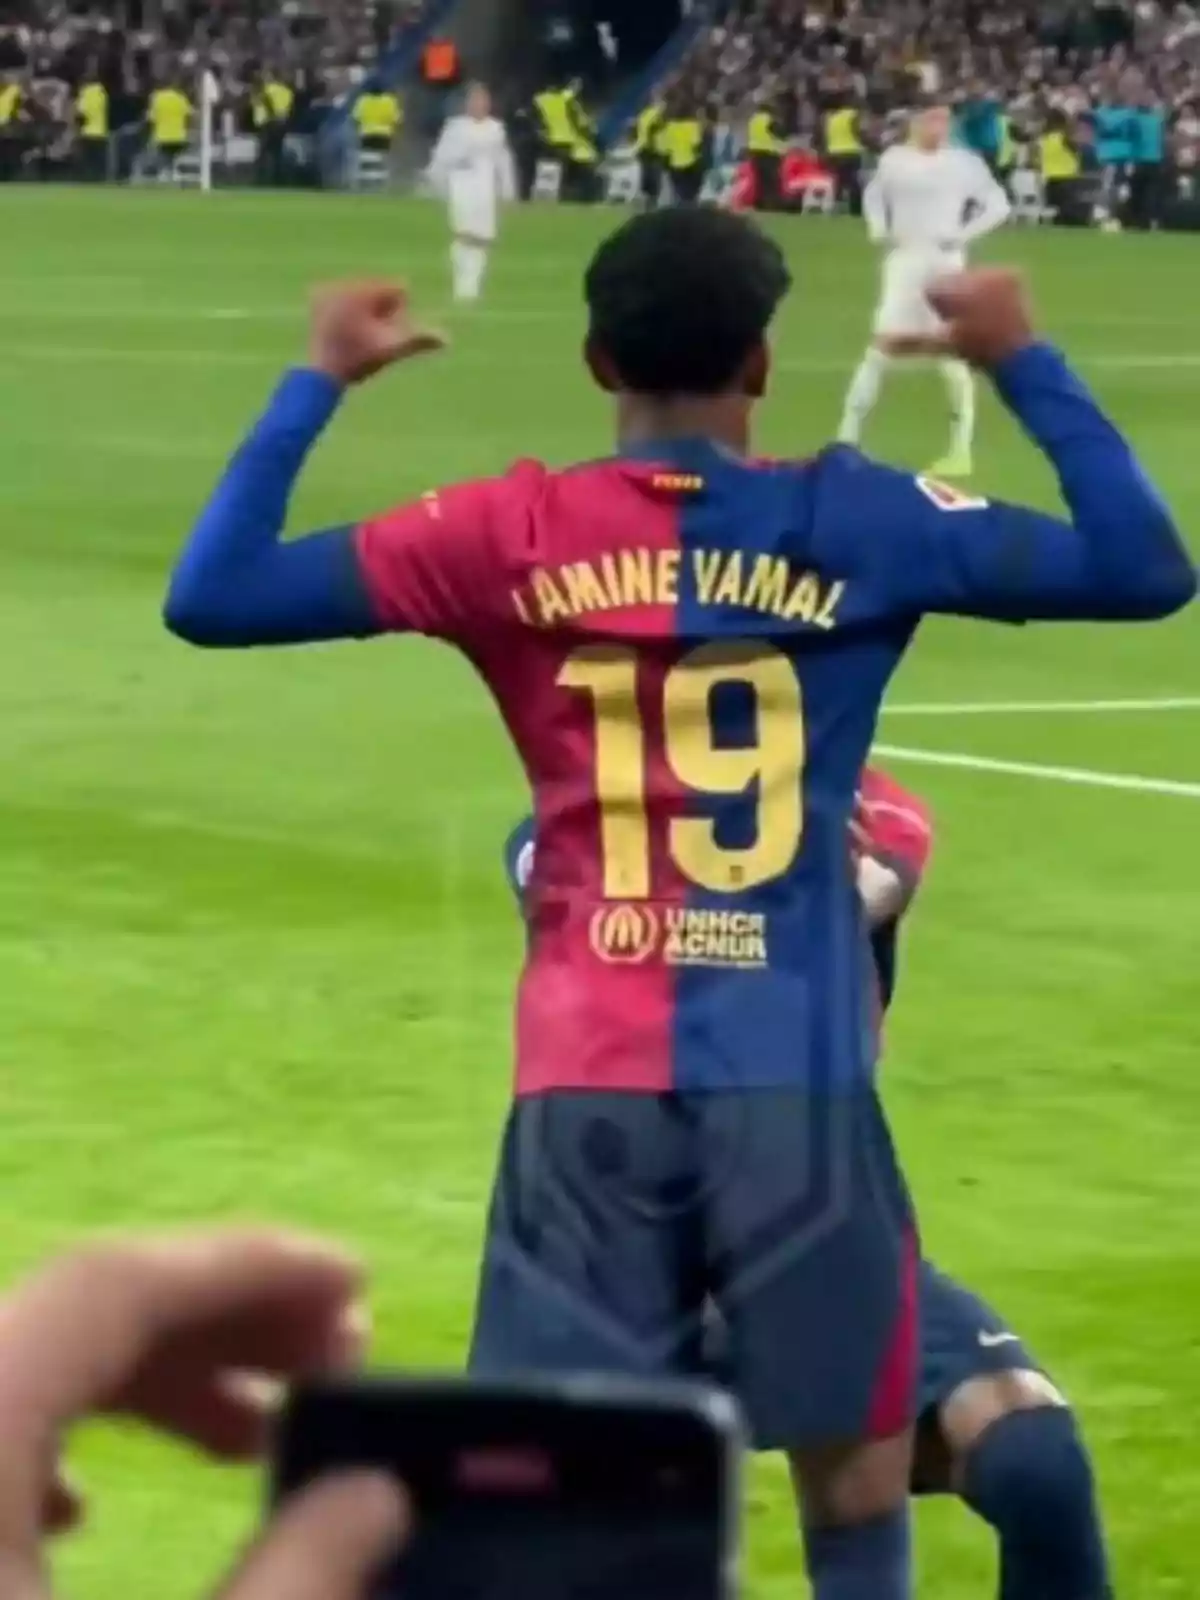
(992, 1427)
(689, 648)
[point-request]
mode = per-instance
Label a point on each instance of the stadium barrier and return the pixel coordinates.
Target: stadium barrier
(1095, 200)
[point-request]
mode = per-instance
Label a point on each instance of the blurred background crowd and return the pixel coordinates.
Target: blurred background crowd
(1008, 68)
(71, 71)
(53, 44)
(1026, 57)
(1076, 93)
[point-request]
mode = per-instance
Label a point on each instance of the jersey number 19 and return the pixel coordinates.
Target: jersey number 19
(773, 763)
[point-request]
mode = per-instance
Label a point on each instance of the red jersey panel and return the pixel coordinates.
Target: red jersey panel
(692, 696)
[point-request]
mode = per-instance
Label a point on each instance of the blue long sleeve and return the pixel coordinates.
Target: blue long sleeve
(930, 548)
(237, 583)
(1136, 562)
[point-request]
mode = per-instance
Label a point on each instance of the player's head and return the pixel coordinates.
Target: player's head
(479, 101)
(930, 126)
(679, 303)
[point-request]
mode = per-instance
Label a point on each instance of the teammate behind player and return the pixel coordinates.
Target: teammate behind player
(472, 168)
(992, 1427)
(927, 201)
(689, 649)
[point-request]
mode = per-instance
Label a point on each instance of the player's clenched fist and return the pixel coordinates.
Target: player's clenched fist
(361, 327)
(986, 312)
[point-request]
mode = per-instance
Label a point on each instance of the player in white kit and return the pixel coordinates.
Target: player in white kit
(472, 168)
(927, 201)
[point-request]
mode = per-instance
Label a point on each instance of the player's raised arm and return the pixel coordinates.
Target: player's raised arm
(929, 548)
(990, 207)
(238, 583)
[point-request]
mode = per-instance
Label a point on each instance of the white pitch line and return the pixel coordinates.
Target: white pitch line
(1086, 776)
(233, 316)
(999, 708)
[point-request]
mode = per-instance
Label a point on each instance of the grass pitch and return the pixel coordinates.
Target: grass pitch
(257, 955)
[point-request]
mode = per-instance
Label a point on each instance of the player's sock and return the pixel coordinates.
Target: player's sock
(862, 395)
(476, 268)
(960, 386)
(459, 268)
(865, 1561)
(1029, 1476)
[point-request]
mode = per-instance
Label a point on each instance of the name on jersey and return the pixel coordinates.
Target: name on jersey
(639, 576)
(630, 933)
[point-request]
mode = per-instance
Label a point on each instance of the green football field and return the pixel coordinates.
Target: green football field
(257, 953)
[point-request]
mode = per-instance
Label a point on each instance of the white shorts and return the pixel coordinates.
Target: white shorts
(903, 310)
(473, 208)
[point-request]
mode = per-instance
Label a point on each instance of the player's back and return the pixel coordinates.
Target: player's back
(693, 695)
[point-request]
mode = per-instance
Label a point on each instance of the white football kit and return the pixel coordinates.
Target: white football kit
(472, 169)
(928, 205)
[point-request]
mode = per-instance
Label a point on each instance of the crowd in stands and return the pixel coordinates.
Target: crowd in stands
(75, 74)
(801, 87)
(1066, 86)
(801, 54)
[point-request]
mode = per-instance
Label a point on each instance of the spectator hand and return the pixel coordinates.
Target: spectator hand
(986, 312)
(191, 1334)
(360, 328)
(327, 1544)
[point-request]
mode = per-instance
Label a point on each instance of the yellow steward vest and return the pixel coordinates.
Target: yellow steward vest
(1008, 145)
(683, 137)
(554, 108)
(377, 115)
(92, 106)
(273, 104)
(1056, 158)
(761, 139)
(841, 132)
(648, 124)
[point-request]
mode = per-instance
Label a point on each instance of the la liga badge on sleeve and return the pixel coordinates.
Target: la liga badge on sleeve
(946, 497)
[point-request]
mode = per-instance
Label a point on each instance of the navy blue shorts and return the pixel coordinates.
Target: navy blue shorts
(961, 1338)
(617, 1219)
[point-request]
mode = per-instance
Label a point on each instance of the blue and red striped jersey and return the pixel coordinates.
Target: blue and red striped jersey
(689, 650)
(689, 655)
(890, 824)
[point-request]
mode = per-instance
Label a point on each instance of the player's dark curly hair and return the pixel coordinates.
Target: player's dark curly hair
(679, 299)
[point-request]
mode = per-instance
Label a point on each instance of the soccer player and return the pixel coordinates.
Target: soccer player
(992, 1427)
(472, 167)
(927, 201)
(689, 648)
